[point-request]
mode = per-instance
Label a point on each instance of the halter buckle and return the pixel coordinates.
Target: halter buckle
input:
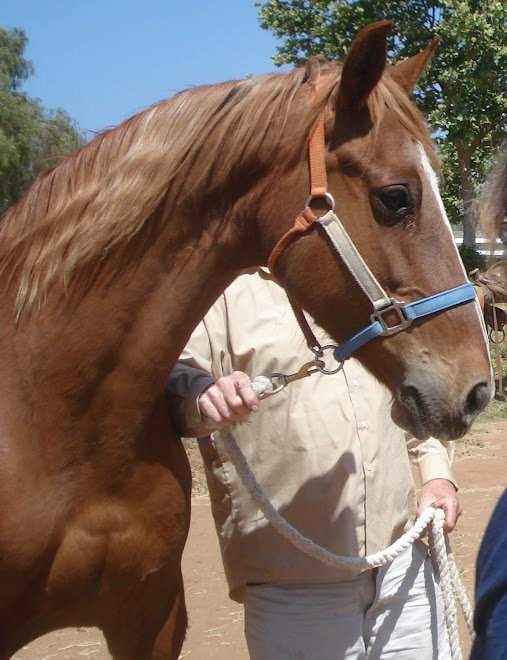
(388, 328)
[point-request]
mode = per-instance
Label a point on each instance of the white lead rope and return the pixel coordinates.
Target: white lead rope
(440, 552)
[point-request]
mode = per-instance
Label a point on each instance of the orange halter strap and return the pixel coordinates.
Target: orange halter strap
(318, 187)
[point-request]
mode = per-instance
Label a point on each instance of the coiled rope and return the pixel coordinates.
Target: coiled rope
(440, 551)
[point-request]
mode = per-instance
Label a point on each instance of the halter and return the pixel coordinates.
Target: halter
(383, 305)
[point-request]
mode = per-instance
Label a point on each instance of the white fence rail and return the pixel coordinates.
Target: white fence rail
(485, 247)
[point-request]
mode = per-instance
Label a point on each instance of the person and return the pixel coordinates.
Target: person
(491, 567)
(334, 464)
(491, 589)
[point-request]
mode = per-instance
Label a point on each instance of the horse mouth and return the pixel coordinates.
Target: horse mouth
(423, 419)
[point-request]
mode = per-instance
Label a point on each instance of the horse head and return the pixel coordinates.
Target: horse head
(382, 176)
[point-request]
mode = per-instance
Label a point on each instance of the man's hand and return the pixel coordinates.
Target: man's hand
(229, 400)
(441, 494)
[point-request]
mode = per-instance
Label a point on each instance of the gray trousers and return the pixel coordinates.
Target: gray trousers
(394, 612)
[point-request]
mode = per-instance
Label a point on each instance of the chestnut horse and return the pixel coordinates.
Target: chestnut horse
(492, 202)
(112, 258)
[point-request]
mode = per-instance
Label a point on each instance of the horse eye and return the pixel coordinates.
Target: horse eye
(395, 198)
(395, 203)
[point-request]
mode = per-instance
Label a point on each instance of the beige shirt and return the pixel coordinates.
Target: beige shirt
(325, 450)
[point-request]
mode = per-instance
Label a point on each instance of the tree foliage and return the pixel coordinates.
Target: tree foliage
(31, 138)
(463, 92)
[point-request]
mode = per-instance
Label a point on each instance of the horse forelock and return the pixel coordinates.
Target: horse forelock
(104, 194)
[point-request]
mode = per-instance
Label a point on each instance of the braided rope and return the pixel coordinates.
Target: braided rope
(440, 552)
(460, 594)
(439, 556)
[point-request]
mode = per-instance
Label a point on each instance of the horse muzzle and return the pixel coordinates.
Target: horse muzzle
(447, 417)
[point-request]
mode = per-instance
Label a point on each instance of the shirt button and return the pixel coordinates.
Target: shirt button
(364, 425)
(369, 468)
(355, 383)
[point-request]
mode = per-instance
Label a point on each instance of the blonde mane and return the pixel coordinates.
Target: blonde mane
(104, 194)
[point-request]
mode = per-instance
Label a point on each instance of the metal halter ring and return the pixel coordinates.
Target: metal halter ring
(328, 196)
(501, 336)
(319, 351)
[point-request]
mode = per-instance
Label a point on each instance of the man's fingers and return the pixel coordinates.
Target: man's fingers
(247, 395)
(229, 400)
(441, 494)
(452, 513)
(226, 401)
(214, 407)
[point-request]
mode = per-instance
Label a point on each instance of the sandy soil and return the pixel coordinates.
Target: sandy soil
(216, 623)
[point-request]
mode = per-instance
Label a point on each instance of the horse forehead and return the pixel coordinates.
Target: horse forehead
(428, 168)
(387, 158)
(387, 143)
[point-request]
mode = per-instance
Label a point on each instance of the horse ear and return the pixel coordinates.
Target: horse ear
(407, 73)
(364, 65)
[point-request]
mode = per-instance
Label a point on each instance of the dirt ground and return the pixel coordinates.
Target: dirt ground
(216, 623)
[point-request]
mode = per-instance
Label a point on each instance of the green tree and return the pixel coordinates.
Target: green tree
(463, 92)
(29, 134)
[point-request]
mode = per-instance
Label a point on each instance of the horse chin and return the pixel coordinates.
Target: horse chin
(412, 414)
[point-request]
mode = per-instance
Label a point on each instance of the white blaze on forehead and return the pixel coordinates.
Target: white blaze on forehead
(433, 181)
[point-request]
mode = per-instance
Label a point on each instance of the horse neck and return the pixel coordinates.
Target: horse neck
(112, 349)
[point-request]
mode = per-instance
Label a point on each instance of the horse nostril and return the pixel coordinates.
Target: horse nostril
(413, 401)
(477, 399)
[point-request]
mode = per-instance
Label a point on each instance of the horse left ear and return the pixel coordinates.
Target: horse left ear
(407, 73)
(363, 66)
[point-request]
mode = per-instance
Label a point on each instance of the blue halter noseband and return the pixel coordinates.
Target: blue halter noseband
(406, 314)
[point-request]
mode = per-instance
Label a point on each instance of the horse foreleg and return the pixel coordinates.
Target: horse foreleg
(155, 632)
(172, 634)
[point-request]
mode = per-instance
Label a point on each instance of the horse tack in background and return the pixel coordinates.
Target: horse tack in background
(112, 258)
(492, 217)
(493, 283)
(492, 289)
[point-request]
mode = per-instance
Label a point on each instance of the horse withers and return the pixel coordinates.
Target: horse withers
(112, 258)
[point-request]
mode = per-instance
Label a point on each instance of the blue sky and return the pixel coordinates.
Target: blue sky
(105, 60)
